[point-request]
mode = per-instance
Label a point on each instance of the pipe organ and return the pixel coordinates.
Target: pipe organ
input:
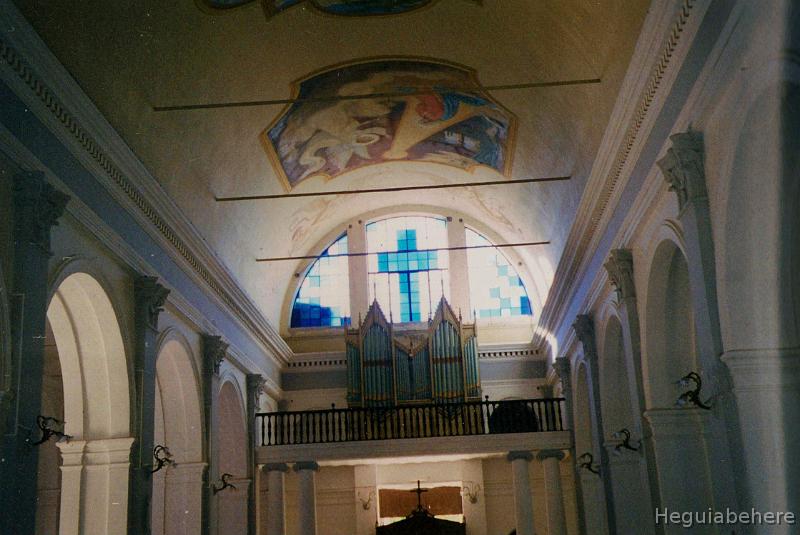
(389, 366)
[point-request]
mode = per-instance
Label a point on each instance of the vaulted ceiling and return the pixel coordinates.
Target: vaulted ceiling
(134, 57)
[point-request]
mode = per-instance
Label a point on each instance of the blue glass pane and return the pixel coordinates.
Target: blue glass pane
(496, 290)
(323, 299)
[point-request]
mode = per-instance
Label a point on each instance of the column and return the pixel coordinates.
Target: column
(37, 208)
(679, 439)
(307, 499)
(276, 503)
(71, 473)
(523, 502)
(214, 349)
(255, 387)
(149, 298)
(584, 330)
(357, 270)
(106, 462)
(563, 369)
(556, 519)
(683, 170)
(620, 273)
(459, 269)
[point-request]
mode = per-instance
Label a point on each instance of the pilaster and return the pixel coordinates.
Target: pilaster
(149, 299)
(37, 208)
(584, 330)
(255, 387)
(684, 172)
(214, 350)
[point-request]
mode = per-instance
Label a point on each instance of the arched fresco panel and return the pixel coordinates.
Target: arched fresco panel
(426, 112)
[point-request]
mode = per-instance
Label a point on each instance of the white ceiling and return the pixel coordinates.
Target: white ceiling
(131, 56)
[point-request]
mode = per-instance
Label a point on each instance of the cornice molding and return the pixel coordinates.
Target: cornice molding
(71, 115)
(639, 101)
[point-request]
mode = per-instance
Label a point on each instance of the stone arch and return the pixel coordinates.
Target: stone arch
(669, 329)
(629, 477)
(233, 448)
(759, 286)
(176, 507)
(96, 402)
(584, 441)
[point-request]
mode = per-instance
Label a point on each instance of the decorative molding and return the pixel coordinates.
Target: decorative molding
(256, 385)
(620, 272)
(151, 296)
(508, 352)
(214, 349)
(683, 167)
(119, 170)
(614, 157)
(38, 206)
(329, 360)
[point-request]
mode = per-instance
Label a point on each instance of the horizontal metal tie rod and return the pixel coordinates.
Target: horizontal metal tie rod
(391, 189)
(336, 98)
(459, 248)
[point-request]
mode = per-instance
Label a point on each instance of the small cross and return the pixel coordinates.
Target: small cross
(419, 492)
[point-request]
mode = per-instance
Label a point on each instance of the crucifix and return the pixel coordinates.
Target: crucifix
(419, 492)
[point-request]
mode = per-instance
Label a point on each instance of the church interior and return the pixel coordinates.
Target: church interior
(399, 267)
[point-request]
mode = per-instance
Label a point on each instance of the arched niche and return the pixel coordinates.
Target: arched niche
(96, 402)
(669, 326)
(176, 506)
(615, 392)
(232, 504)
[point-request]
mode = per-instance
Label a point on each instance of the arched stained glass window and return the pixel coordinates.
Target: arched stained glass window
(408, 265)
(323, 299)
(496, 290)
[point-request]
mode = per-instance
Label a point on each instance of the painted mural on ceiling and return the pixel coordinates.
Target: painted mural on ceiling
(423, 111)
(333, 7)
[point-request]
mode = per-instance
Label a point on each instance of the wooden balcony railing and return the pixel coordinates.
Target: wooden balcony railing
(409, 421)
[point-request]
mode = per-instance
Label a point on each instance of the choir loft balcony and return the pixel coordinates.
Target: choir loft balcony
(473, 428)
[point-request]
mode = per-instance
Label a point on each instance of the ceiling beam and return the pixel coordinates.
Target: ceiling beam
(391, 189)
(394, 94)
(458, 248)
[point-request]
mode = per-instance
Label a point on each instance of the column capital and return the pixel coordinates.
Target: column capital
(37, 208)
(256, 385)
(620, 272)
(584, 330)
(306, 465)
(562, 367)
(275, 467)
(550, 454)
(683, 167)
(214, 349)
(516, 455)
(150, 297)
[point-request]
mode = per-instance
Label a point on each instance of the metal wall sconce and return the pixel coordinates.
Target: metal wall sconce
(163, 458)
(625, 436)
(366, 504)
(587, 462)
(225, 484)
(692, 397)
(46, 426)
(471, 490)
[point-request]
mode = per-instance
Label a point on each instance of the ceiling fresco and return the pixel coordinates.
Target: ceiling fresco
(333, 7)
(425, 111)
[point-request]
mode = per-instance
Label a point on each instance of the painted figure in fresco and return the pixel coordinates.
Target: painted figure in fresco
(427, 112)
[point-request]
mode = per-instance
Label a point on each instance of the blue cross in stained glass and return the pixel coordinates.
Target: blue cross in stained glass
(407, 262)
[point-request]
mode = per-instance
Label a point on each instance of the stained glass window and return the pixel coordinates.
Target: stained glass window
(408, 270)
(323, 299)
(496, 290)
